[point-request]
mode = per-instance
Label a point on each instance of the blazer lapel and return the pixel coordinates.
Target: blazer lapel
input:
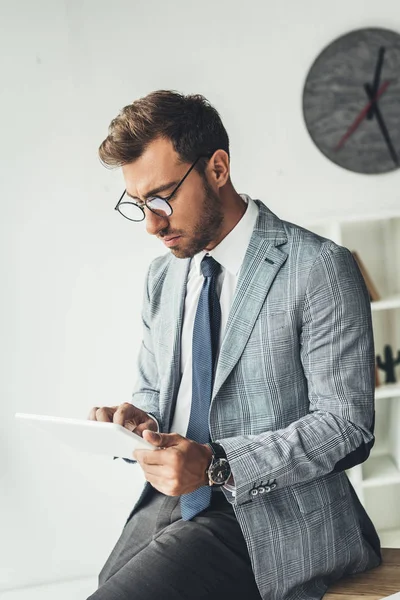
(261, 264)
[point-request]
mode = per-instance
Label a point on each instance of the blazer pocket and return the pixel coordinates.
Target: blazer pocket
(315, 495)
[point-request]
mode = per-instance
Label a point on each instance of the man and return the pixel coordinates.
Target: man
(256, 367)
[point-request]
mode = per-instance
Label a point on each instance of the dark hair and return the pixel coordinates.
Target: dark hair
(190, 122)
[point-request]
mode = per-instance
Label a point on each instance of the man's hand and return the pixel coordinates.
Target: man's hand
(125, 414)
(179, 467)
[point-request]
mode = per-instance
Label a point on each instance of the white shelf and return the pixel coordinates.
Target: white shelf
(376, 239)
(390, 538)
(345, 219)
(387, 390)
(380, 470)
(386, 303)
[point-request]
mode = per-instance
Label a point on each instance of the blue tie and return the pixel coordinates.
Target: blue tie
(206, 330)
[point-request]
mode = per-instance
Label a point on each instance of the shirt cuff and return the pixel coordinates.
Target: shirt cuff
(230, 488)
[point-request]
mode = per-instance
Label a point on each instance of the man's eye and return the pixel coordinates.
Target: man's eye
(156, 199)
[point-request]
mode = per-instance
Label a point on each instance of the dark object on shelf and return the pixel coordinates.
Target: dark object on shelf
(377, 384)
(389, 364)
(372, 291)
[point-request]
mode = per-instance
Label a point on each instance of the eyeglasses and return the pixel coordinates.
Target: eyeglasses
(159, 206)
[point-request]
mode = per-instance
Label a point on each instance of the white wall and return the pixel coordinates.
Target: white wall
(73, 269)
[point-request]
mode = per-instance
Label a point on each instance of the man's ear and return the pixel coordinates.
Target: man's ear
(218, 168)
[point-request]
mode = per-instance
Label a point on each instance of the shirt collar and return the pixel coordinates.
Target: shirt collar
(231, 250)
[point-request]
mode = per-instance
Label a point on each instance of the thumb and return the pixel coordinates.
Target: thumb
(161, 440)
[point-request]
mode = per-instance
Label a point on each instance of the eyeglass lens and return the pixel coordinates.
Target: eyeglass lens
(133, 212)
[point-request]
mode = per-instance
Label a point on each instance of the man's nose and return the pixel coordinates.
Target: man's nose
(154, 222)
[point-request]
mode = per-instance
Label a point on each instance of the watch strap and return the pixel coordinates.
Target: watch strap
(217, 450)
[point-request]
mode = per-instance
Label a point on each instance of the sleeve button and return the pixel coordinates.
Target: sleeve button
(273, 486)
(261, 490)
(254, 492)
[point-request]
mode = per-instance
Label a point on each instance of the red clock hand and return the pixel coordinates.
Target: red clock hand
(361, 116)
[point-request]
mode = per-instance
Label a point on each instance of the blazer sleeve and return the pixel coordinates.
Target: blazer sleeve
(337, 354)
(147, 388)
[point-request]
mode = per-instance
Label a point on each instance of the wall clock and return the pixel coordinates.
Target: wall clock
(351, 101)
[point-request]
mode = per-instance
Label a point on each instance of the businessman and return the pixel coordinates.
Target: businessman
(255, 380)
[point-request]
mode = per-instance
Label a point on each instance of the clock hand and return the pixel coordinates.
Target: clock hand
(377, 78)
(361, 116)
(376, 110)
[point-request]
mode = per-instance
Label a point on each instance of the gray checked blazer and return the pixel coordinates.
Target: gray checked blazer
(292, 404)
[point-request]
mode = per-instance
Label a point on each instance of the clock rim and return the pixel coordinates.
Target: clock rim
(324, 49)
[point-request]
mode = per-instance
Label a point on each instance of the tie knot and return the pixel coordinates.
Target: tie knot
(209, 266)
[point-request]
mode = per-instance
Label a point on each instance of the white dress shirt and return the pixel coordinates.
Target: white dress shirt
(229, 253)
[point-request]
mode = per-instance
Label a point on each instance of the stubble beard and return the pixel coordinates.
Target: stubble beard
(208, 226)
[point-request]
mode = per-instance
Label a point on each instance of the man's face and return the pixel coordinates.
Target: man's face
(197, 218)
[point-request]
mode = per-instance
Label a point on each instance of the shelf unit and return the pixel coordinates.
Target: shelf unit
(380, 470)
(376, 238)
(390, 390)
(393, 302)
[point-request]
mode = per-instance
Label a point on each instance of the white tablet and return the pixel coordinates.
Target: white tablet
(91, 436)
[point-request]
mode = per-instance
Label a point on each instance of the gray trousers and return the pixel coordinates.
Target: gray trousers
(160, 556)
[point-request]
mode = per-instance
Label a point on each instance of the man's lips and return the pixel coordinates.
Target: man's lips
(170, 241)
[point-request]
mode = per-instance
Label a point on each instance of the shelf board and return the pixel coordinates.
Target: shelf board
(382, 215)
(387, 390)
(390, 538)
(380, 470)
(386, 303)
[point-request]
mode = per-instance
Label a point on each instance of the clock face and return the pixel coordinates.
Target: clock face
(351, 101)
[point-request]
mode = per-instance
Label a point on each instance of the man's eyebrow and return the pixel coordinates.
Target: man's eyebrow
(155, 191)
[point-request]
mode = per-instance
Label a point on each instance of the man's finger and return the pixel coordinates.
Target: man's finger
(156, 481)
(160, 483)
(124, 412)
(162, 440)
(104, 414)
(153, 471)
(92, 414)
(149, 457)
(149, 424)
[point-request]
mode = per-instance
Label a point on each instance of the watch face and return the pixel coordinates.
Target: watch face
(351, 101)
(220, 471)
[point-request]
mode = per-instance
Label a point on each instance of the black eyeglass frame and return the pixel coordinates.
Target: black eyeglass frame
(167, 199)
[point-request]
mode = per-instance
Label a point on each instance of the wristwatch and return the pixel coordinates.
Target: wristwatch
(219, 470)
